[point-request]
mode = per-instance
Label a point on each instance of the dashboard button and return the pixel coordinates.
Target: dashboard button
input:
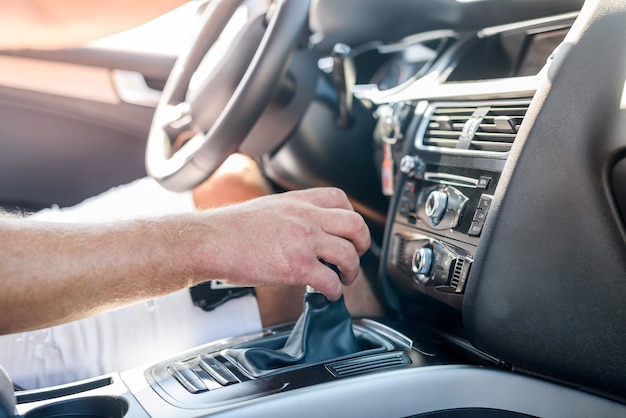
(217, 370)
(475, 229)
(187, 378)
(479, 215)
(485, 202)
(483, 182)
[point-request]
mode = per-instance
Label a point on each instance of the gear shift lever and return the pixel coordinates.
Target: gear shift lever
(323, 332)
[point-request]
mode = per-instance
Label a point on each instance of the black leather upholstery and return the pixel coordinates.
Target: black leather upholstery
(323, 332)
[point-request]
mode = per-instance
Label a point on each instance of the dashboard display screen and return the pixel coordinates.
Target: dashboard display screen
(509, 54)
(538, 49)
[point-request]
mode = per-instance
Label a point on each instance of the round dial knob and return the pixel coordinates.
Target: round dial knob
(408, 164)
(412, 166)
(435, 205)
(422, 263)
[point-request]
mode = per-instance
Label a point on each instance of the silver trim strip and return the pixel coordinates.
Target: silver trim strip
(418, 38)
(395, 336)
(430, 87)
(477, 90)
(451, 179)
(527, 24)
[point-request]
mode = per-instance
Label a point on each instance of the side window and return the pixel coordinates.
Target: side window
(163, 35)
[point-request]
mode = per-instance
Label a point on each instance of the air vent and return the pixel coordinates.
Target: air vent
(352, 367)
(477, 127)
(457, 273)
(400, 250)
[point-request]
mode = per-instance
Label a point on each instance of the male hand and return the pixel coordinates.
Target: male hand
(280, 239)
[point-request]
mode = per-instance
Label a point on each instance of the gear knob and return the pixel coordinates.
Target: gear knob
(311, 289)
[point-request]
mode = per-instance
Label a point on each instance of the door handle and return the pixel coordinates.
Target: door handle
(132, 88)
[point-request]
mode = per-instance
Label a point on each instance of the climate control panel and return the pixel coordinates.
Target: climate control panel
(430, 262)
(448, 205)
(441, 207)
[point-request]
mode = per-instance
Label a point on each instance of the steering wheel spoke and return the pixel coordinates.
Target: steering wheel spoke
(204, 116)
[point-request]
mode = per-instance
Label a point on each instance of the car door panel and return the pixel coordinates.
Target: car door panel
(74, 121)
(69, 129)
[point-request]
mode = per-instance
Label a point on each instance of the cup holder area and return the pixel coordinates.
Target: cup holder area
(87, 407)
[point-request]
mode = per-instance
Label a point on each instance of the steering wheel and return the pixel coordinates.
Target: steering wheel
(203, 116)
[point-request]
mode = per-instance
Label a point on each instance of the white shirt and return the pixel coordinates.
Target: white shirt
(127, 337)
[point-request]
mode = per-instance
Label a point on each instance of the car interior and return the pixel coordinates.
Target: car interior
(483, 141)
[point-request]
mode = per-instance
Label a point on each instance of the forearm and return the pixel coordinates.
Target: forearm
(62, 23)
(54, 273)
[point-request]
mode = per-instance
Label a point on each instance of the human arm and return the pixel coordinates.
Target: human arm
(53, 273)
(62, 23)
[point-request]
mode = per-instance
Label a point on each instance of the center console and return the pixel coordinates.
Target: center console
(394, 374)
(212, 380)
(449, 169)
(450, 134)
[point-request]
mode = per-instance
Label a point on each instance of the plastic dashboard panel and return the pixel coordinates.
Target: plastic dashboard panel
(403, 393)
(546, 290)
(381, 21)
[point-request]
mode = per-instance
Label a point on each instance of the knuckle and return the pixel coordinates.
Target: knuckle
(356, 222)
(303, 232)
(360, 231)
(330, 286)
(338, 195)
(349, 260)
(347, 252)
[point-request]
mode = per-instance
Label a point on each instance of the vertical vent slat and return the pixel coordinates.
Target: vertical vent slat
(457, 272)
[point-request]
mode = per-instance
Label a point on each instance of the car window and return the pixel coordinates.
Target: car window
(163, 35)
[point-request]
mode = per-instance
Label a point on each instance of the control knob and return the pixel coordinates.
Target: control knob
(413, 166)
(422, 263)
(436, 205)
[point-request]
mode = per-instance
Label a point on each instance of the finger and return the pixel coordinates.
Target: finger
(348, 225)
(325, 280)
(341, 254)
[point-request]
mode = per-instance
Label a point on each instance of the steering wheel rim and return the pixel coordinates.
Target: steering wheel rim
(180, 111)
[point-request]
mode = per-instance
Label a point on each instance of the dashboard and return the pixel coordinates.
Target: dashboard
(449, 131)
(488, 161)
